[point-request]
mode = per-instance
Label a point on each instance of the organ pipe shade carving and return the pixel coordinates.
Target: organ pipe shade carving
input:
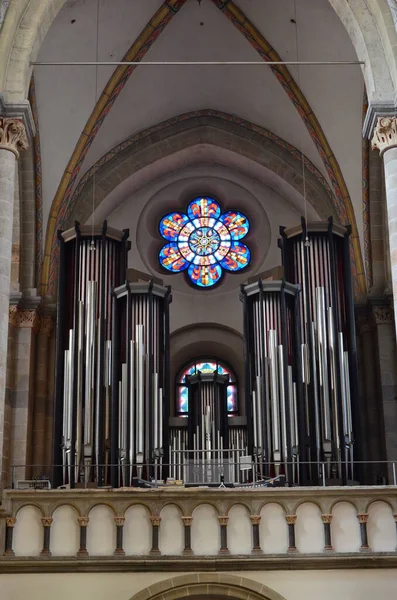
(92, 263)
(273, 376)
(317, 256)
(140, 401)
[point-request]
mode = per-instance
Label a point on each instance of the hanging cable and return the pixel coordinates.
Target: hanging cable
(92, 245)
(307, 241)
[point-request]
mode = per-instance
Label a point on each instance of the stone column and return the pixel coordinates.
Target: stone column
(12, 139)
(326, 519)
(385, 140)
(47, 522)
(119, 551)
(223, 521)
(187, 522)
(10, 524)
(256, 544)
(363, 520)
(156, 520)
(291, 520)
(40, 401)
(83, 522)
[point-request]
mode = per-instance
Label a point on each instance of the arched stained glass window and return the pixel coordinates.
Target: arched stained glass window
(205, 366)
(204, 242)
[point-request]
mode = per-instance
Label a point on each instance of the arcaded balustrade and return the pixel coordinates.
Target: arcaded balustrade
(198, 523)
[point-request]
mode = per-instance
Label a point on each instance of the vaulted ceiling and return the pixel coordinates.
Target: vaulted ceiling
(66, 96)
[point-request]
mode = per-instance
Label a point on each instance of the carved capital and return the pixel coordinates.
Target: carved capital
(255, 519)
(385, 134)
(383, 315)
(326, 518)
(10, 521)
(291, 519)
(362, 518)
(119, 521)
(24, 318)
(364, 324)
(187, 521)
(155, 519)
(47, 521)
(83, 521)
(223, 520)
(46, 326)
(13, 135)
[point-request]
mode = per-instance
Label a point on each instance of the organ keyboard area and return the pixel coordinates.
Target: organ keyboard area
(112, 421)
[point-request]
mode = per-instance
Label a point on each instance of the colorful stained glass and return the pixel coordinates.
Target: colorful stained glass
(205, 366)
(204, 242)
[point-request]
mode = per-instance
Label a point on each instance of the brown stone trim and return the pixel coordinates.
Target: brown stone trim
(197, 564)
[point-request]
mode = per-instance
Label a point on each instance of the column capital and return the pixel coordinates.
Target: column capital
(223, 519)
(11, 521)
(83, 521)
(119, 521)
(385, 134)
(47, 521)
(13, 135)
(155, 519)
(187, 521)
(362, 517)
(291, 519)
(46, 326)
(326, 518)
(383, 315)
(255, 519)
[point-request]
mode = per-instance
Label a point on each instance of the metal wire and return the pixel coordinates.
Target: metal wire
(179, 63)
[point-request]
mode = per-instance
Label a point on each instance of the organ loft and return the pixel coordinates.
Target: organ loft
(198, 282)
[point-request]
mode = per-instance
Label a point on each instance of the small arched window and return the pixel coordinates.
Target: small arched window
(205, 366)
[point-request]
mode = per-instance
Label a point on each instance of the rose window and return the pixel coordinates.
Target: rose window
(204, 242)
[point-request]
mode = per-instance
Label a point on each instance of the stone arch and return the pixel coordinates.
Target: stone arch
(225, 139)
(219, 585)
(29, 20)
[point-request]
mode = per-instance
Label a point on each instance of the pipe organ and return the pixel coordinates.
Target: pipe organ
(317, 256)
(273, 376)
(91, 264)
(140, 382)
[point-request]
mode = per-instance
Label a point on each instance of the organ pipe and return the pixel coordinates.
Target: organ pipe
(272, 343)
(317, 256)
(139, 381)
(92, 263)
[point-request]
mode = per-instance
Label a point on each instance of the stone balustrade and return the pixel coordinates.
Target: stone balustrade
(178, 524)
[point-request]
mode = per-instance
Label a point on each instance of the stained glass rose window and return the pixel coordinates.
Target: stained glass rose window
(204, 242)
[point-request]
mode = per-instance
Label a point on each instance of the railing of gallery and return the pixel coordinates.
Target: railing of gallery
(203, 521)
(208, 468)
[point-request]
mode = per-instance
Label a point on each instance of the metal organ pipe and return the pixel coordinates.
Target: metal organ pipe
(91, 263)
(316, 255)
(142, 310)
(273, 349)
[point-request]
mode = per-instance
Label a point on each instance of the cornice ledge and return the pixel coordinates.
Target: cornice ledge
(20, 110)
(375, 110)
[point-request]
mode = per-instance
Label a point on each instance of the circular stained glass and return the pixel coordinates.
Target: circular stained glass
(204, 242)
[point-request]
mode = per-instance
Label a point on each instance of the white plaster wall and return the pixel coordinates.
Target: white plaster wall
(137, 534)
(65, 532)
(381, 528)
(346, 584)
(206, 536)
(239, 530)
(273, 529)
(28, 532)
(345, 528)
(309, 529)
(171, 534)
(101, 531)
